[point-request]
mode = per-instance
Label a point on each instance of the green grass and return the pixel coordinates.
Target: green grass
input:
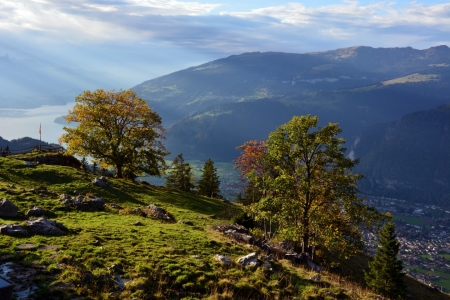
(416, 77)
(157, 259)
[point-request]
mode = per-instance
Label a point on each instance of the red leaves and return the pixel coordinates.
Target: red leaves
(251, 157)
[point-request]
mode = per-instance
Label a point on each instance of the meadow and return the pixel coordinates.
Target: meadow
(118, 254)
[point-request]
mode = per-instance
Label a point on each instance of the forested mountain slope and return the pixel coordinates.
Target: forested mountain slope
(408, 158)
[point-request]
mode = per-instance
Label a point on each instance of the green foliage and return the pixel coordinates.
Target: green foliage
(209, 184)
(118, 129)
(180, 175)
(310, 190)
(385, 270)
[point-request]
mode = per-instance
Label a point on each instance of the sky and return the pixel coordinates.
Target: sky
(142, 39)
(137, 40)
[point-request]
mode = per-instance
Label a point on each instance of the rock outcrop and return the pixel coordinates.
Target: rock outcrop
(8, 209)
(46, 227)
(13, 230)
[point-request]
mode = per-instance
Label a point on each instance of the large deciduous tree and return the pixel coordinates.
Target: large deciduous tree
(209, 184)
(385, 273)
(117, 128)
(309, 190)
(180, 175)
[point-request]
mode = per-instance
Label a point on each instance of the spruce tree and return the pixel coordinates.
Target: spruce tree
(385, 270)
(180, 175)
(209, 184)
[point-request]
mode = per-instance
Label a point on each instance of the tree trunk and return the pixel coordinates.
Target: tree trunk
(305, 235)
(119, 171)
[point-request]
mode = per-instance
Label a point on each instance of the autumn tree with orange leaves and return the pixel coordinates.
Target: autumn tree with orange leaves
(119, 129)
(251, 162)
(251, 158)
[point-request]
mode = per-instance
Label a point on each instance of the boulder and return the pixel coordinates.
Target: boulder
(46, 227)
(157, 212)
(240, 237)
(78, 200)
(250, 260)
(223, 259)
(100, 181)
(67, 202)
(95, 203)
(138, 211)
(36, 212)
(14, 230)
(8, 209)
(63, 197)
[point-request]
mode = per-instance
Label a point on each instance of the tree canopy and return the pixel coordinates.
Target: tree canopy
(209, 184)
(180, 175)
(308, 188)
(251, 161)
(117, 128)
(385, 270)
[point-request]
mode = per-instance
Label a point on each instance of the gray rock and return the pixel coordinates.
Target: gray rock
(250, 260)
(78, 199)
(267, 265)
(36, 212)
(8, 209)
(115, 206)
(96, 203)
(67, 202)
(100, 181)
(223, 259)
(157, 212)
(14, 230)
(46, 227)
(65, 197)
(239, 236)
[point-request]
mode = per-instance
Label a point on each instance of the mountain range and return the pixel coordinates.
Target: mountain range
(212, 108)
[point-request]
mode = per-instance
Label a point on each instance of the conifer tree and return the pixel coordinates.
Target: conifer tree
(209, 184)
(385, 270)
(180, 175)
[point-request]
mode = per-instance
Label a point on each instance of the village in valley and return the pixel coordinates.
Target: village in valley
(424, 234)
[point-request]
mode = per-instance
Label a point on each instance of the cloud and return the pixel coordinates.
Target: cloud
(199, 25)
(112, 35)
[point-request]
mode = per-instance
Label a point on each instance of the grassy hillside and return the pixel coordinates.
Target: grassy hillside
(108, 255)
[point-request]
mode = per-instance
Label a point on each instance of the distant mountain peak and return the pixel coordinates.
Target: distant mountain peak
(359, 51)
